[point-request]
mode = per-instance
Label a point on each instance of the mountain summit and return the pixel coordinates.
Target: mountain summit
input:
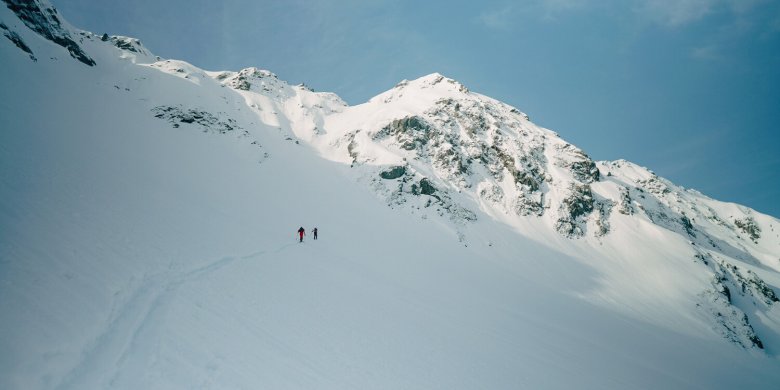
(149, 212)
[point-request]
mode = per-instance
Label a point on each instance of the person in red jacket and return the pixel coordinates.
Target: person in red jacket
(301, 233)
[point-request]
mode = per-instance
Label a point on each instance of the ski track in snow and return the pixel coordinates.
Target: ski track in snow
(174, 181)
(150, 300)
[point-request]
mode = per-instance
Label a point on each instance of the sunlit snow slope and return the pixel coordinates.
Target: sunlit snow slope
(148, 212)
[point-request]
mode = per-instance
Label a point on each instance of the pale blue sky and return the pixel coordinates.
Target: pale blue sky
(687, 88)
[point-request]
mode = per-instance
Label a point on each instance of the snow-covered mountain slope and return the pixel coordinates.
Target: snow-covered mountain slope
(148, 211)
(432, 144)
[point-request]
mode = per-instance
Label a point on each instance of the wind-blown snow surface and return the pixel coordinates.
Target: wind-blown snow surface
(148, 212)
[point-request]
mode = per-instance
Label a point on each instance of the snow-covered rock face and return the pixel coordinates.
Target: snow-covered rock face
(42, 18)
(465, 143)
(256, 80)
(132, 205)
(431, 144)
(432, 85)
(126, 43)
(469, 144)
(17, 40)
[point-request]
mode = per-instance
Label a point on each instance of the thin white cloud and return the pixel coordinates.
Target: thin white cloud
(551, 9)
(504, 18)
(561, 5)
(674, 13)
(745, 6)
(497, 19)
(706, 53)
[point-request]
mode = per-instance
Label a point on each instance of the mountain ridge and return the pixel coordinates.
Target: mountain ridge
(449, 159)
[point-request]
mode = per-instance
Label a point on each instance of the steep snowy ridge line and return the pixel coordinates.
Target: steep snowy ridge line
(552, 179)
(42, 18)
(462, 245)
(580, 208)
(437, 129)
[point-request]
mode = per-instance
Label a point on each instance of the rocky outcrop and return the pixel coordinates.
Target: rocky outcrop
(734, 293)
(402, 185)
(654, 185)
(747, 283)
(206, 121)
(411, 133)
(604, 208)
(393, 173)
(44, 20)
(578, 163)
(17, 40)
(132, 45)
(477, 137)
(729, 321)
(573, 211)
(749, 226)
(625, 204)
(253, 79)
(687, 225)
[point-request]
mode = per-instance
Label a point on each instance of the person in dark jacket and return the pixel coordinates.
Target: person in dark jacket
(301, 233)
(315, 233)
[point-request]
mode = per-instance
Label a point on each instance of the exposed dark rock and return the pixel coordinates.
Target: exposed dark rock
(573, 209)
(725, 291)
(435, 199)
(732, 288)
(755, 340)
(750, 227)
(579, 164)
(17, 40)
(625, 205)
(526, 171)
(701, 257)
(393, 173)
(654, 185)
(585, 170)
(45, 22)
(530, 177)
(463, 136)
(207, 121)
(224, 75)
(125, 43)
(517, 112)
(411, 132)
(728, 320)
(244, 79)
(604, 208)
(687, 225)
(242, 84)
(426, 188)
(580, 202)
(529, 204)
(748, 283)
